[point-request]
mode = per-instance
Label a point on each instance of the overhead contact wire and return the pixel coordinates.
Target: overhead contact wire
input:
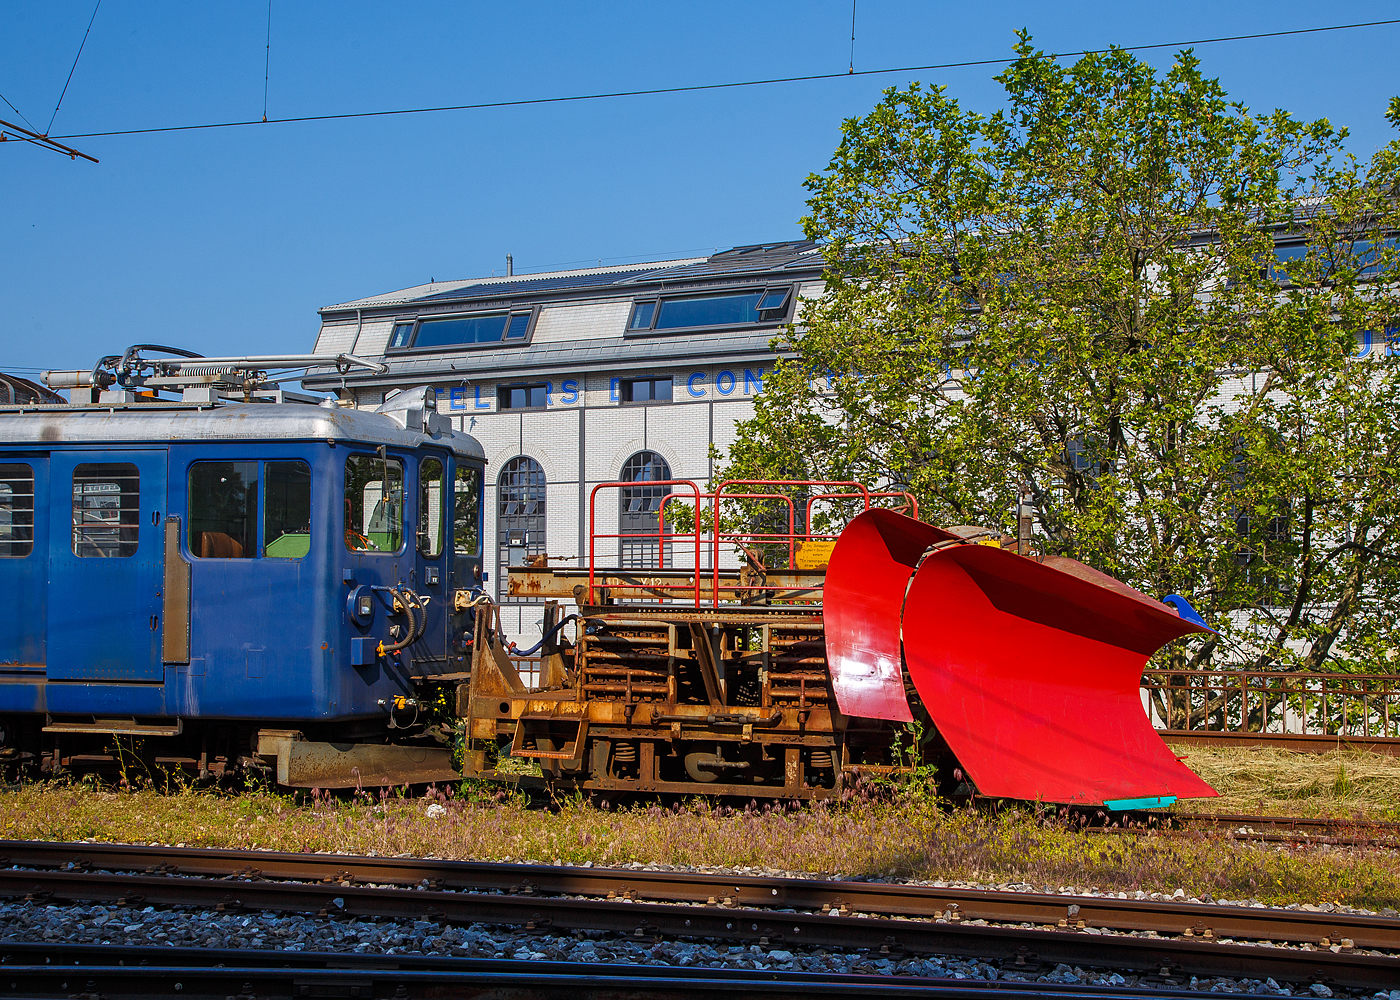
(72, 68)
(700, 87)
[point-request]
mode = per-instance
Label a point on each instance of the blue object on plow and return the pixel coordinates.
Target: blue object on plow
(1030, 670)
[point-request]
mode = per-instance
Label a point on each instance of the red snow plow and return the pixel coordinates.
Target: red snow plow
(1029, 669)
(788, 669)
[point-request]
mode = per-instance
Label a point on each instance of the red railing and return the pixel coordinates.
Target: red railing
(593, 535)
(733, 490)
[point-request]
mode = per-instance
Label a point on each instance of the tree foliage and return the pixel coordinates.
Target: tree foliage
(1079, 296)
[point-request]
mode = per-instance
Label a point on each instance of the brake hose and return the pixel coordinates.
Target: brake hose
(545, 638)
(411, 634)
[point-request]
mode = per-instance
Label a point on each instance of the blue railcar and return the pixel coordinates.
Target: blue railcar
(230, 582)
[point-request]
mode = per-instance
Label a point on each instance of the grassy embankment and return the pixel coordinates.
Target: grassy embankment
(906, 835)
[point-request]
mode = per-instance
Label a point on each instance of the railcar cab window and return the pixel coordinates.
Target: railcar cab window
(505, 326)
(373, 504)
(466, 511)
(106, 510)
(750, 307)
(223, 510)
(522, 397)
(646, 390)
(16, 510)
(224, 498)
(430, 512)
(286, 510)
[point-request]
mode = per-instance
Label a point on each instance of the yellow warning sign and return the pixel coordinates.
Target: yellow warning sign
(815, 554)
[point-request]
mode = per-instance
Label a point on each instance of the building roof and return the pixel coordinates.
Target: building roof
(737, 262)
(605, 346)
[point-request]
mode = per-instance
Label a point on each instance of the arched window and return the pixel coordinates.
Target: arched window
(519, 521)
(641, 509)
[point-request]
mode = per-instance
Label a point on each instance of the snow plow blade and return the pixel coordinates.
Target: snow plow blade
(1030, 670)
(863, 599)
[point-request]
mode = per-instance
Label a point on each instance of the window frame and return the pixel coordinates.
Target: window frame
(133, 526)
(260, 525)
(417, 321)
(658, 302)
(505, 387)
(479, 471)
(444, 507)
(10, 542)
(528, 476)
(624, 391)
(258, 513)
(404, 534)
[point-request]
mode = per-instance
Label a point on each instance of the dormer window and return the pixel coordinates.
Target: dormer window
(749, 307)
(473, 330)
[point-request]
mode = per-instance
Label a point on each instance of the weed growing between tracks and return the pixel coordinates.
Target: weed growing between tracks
(867, 836)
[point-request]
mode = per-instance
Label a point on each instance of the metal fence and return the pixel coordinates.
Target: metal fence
(1248, 701)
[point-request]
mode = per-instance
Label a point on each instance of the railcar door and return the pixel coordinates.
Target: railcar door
(105, 552)
(431, 569)
(23, 561)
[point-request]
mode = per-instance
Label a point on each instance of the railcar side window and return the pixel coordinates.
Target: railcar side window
(286, 510)
(466, 511)
(223, 510)
(373, 504)
(16, 510)
(106, 510)
(430, 493)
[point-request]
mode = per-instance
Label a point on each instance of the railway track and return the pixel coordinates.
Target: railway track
(1022, 931)
(1266, 829)
(195, 974)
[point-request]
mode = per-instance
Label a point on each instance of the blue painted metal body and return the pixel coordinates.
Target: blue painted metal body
(270, 639)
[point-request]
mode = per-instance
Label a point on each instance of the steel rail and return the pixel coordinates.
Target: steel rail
(956, 925)
(1267, 829)
(871, 898)
(110, 971)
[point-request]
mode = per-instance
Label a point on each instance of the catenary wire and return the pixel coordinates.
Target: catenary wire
(17, 111)
(694, 88)
(267, 62)
(73, 67)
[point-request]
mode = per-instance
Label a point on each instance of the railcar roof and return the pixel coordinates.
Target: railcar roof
(259, 422)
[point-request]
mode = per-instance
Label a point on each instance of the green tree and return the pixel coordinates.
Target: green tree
(1079, 296)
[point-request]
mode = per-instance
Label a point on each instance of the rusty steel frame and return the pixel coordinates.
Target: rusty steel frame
(934, 920)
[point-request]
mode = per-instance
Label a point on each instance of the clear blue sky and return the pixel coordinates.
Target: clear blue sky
(228, 241)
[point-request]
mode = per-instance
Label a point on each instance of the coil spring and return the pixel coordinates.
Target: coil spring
(820, 758)
(625, 753)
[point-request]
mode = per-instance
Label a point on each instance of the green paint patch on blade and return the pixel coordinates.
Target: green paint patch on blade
(1153, 802)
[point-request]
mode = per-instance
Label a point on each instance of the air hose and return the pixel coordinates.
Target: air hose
(545, 638)
(417, 620)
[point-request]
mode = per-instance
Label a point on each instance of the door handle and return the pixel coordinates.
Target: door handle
(155, 622)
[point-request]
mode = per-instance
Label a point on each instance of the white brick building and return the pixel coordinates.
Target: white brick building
(575, 378)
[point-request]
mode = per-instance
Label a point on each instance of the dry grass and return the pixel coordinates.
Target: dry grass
(910, 837)
(1342, 784)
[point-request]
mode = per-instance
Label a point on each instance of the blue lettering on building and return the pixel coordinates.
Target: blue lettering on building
(457, 398)
(612, 389)
(479, 404)
(753, 383)
(569, 388)
(690, 384)
(724, 390)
